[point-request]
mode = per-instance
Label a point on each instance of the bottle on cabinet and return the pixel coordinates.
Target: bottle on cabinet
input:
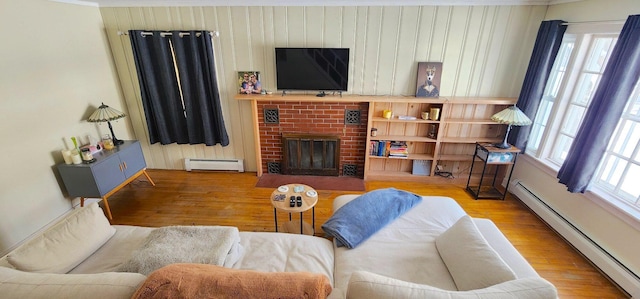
(107, 142)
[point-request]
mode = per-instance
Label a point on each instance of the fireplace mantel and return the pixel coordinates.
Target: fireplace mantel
(334, 98)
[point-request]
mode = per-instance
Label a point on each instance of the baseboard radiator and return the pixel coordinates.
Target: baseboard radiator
(210, 164)
(606, 262)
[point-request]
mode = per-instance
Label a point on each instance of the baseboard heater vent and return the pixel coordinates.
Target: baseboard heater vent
(617, 271)
(209, 164)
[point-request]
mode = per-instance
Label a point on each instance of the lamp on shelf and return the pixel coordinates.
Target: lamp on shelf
(105, 113)
(511, 116)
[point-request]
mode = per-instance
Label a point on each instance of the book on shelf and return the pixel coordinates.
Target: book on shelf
(391, 149)
(398, 149)
(373, 148)
(381, 148)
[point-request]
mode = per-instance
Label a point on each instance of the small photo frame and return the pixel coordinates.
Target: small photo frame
(428, 81)
(249, 82)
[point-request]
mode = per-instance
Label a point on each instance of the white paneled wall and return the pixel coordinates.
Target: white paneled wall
(484, 49)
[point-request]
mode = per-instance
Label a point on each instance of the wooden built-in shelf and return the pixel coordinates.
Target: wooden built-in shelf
(467, 158)
(469, 139)
(403, 138)
(409, 157)
(462, 122)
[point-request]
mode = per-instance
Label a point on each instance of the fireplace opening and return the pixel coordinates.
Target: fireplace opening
(307, 154)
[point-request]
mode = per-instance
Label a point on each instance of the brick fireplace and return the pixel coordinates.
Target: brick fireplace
(343, 119)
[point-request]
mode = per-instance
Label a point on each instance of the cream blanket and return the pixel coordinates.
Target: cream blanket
(215, 245)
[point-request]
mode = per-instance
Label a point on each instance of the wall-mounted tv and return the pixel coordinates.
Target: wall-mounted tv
(321, 69)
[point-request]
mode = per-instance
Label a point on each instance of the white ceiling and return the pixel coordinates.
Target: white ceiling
(148, 3)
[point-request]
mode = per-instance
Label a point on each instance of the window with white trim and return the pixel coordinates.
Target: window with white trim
(573, 80)
(619, 172)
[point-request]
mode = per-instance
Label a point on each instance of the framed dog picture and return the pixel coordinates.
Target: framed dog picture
(428, 81)
(249, 82)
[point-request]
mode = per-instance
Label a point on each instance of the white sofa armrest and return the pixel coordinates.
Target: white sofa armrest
(20, 285)
(373, 286)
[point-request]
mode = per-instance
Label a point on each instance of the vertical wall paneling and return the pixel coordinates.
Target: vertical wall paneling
(481, 52)
(469, 50)
(332, 32)
(269, 71)
(280, 26)
(387, 49)
(424, 38)
(453, 50)
(349, 22)
(405, 66)
(440, 33)
(359, 66)
(296, 26)
(484, 51)
(372, 49)
(314, 24)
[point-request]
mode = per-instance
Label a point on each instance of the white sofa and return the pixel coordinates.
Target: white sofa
(415, 256)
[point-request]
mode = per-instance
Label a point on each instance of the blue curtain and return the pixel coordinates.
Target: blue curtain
(544, 54)
(611, 96)
(184, 112)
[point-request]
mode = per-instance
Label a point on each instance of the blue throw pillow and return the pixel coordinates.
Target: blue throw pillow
(362, 217)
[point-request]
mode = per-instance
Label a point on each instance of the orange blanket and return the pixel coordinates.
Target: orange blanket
(210, 281)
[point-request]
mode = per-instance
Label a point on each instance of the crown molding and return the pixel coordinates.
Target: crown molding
(165, 3)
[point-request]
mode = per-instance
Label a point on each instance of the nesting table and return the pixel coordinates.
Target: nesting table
(281, 201)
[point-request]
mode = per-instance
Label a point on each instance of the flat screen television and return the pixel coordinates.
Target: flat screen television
(321, 69)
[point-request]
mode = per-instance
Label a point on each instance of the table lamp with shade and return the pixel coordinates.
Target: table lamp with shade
(511, 116)
(105, 113)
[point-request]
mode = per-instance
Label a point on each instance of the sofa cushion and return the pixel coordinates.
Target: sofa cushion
(362, 217)
(211, 281)
(471, 261)
(66, 244)
(18, 284)
(368, 285)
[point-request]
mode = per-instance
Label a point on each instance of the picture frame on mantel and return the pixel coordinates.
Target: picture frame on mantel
(249, 82)
(428, 80)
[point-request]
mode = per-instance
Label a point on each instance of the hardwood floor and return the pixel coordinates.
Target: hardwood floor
(220, 198)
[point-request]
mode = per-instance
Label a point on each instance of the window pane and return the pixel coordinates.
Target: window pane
(564, 53)
(539, 124)
(585, 88)
(573, 120)
(627, 140)
(552, 88)
(599, 54)
(612, 171)
(630, 183)
(535, 137)
(561, 149)
(635, 106)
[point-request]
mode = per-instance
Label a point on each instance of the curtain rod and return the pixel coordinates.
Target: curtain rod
(163, 34)
(609, 22)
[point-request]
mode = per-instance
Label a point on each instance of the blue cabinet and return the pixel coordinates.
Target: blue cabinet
(111, 171)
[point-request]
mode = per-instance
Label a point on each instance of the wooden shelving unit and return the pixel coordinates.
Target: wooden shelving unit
(463, 121)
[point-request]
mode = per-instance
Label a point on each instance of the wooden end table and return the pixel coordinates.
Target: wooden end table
(280, 199)
(488, 154)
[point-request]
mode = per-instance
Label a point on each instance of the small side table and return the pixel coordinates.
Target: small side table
(488, 154)
(280, 199)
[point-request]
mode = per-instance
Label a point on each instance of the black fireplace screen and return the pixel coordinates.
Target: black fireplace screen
(311, 154)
